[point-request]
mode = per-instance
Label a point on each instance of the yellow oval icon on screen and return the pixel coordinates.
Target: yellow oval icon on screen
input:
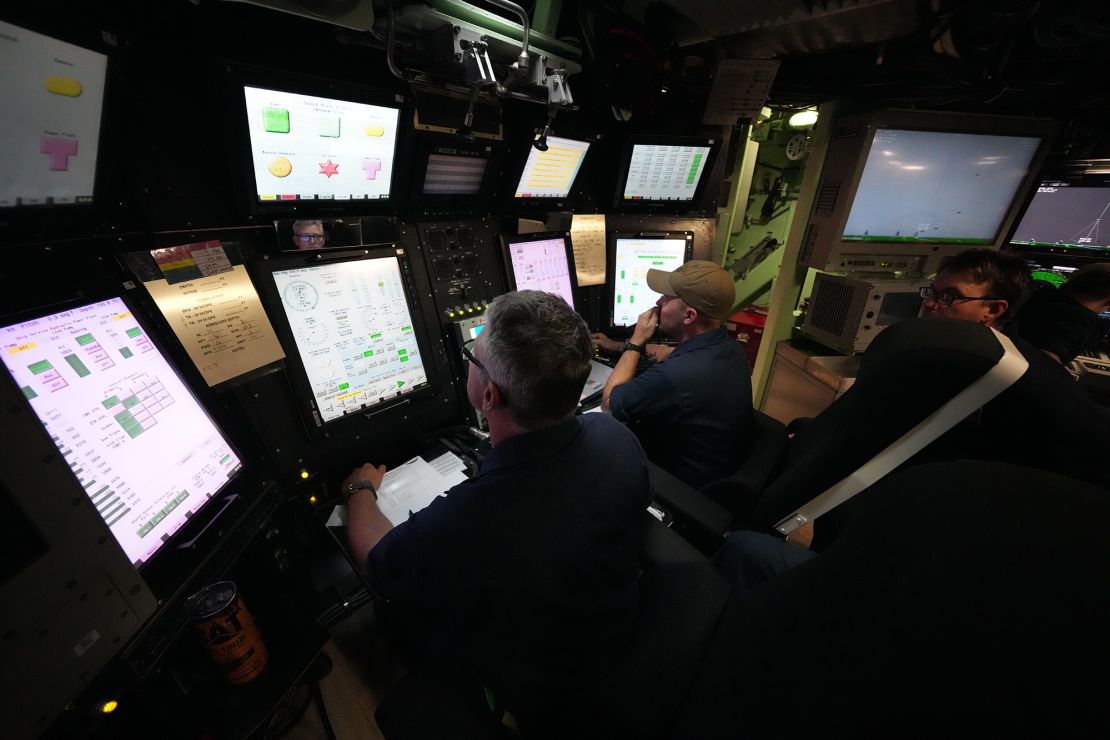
(375, 131)
(60, 85)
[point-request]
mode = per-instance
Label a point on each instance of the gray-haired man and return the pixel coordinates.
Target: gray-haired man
(524, 577)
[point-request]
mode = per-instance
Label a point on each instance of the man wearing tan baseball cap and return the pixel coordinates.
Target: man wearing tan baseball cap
(693, 411)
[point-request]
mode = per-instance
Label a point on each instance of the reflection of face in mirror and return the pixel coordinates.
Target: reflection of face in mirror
(309, 235)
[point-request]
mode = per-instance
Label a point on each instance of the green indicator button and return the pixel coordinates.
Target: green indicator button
(225, 458)
(110, 402)
(134, 332)
(657, 263)
(400, 383)
(145, 529)
(29, 393)
(406, 328)
(404, 359)
(129, 402)
(126, 352)
(85, 339)
(78, 366)
(344, 386)
(40, 367)
(376, 336)
(622, 274)
(402, 351)
(367, 353)
(181, 496)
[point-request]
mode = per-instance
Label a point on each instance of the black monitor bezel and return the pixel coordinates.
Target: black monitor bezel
(696, 203)
(242, 76)
(537, 237)
(303, 396)
(611, 266)
(154, 570)
(107, 209)
(425, 145)
(547, 202)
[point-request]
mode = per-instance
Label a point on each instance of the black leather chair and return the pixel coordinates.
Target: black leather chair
(704, 514)
(962, 598)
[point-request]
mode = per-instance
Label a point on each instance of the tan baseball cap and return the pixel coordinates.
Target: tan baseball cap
(701, 285)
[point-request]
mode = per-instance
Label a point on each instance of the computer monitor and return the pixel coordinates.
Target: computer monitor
(355, 342)
(53, 93)
(1067, 217)
(457, 172)
(312, 148)
(901, 190)
(632, 255)
(542, 261)
(137, 440)
(668, 172)
(550, 174)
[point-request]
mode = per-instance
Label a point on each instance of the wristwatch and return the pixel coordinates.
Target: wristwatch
(358, 485)
(634, 347)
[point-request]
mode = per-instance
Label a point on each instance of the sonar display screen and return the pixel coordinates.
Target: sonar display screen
(306, 147)
(1066, 215)
(354, 333)
(53, 93)
(938, 186)
(541, 264)
(138, 441)
(633, 258)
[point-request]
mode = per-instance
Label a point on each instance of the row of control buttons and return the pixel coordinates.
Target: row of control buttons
(466, 308)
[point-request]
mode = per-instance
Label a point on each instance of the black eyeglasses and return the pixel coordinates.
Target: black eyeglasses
(306, 238)
(948, 296)
(468, 356)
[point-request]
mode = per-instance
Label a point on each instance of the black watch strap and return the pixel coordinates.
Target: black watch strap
(634, 347)
(358, 485)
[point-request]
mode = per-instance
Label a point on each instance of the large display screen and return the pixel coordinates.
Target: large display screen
(1065, 215)
(354, 333)
(53, 93)
(542, 264)
(664, 172)
(938, 187)
(551, 174)
(144, 449)
(454, 174)
(632, 259)
(311, 148)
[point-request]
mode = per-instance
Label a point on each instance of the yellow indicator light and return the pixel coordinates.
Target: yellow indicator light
(304, 474)
(108, 707)
(312, 500)
(450, 314)
(470, 310)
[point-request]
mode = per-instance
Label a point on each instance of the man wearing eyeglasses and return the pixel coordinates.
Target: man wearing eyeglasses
(980, 285)
(523, 578)
(309, 234)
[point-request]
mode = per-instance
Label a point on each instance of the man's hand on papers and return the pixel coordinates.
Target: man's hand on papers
(373, 473)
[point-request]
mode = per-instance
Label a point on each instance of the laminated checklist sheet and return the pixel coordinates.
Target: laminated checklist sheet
(409, 488)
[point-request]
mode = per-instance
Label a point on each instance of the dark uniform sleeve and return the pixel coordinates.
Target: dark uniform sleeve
(649, 395)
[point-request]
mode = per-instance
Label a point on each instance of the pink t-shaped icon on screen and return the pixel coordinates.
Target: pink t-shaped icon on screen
(371, 166)
(59, 151)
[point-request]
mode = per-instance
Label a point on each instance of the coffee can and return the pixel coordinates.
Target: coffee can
(228, 632)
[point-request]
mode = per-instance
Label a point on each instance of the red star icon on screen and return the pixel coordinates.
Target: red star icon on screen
(329, 168)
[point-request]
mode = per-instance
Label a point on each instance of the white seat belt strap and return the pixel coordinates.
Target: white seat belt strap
(1000, 377)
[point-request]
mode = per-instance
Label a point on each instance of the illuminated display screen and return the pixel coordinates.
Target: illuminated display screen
(140, 444)
(551, 174)
(1068, 216)
(633, 258)
(53, 93)
(664, 172)
(541, 264)
(454, 174)
(311, 148)
(354, 333)
(938, 187)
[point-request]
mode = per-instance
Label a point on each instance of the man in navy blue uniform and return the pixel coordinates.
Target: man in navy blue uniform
(692, 411)
(523, 579)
